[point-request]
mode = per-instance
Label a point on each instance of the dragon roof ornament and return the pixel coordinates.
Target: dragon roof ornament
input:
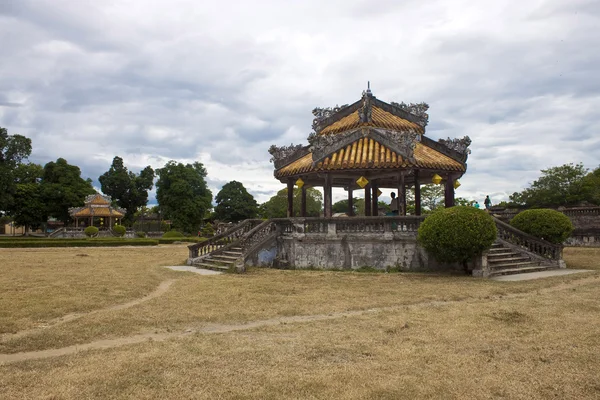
(419, 110)
(283, 155)
(460, 146)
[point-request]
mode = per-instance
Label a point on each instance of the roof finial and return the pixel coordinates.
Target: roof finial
(369, 87)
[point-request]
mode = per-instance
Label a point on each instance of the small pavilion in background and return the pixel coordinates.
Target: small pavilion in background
(371, 145)
(97, 211)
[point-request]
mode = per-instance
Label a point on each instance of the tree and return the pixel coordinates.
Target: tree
(63, 187)
(234, 203)
(13, 150)
(591, 183)
(558, 186)
(183, 195)
(342, 206)
(276, 206)
(128, 190)
(28, 208)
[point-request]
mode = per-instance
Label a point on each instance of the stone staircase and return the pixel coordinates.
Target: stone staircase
(225, 261)
(504, 260)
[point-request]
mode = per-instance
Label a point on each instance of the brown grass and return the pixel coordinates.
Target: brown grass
(582, 257)
(465, 338)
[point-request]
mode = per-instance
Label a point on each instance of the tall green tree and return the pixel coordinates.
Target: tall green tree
(28, 208)
(276, 206)
(557, 186)
(128, 190)
(63, 187)
(13, 150)
(183, 195)
(342, 206)
(234, 203)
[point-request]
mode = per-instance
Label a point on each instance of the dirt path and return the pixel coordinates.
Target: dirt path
(226, 328)
(160, 290)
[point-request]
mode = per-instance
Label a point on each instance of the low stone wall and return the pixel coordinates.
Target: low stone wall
(347, 251)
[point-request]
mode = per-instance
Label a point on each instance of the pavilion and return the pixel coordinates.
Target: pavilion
(371, 145)
(97, 211)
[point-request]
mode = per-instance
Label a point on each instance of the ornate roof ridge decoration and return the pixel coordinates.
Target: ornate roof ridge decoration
(91, 197)
(402, 143)
(283, 155)
(324, 116)
(458, 146)
(418, 110)
(413, 112)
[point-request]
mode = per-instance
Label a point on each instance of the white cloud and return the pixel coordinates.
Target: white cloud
(219, 82)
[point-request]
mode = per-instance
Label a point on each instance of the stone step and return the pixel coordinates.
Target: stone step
(522, 270)
(514, 258)
(223, 261)
(236, 249)
(224, 257)
(502, 254)
(211, 266)
(233, 253)
(510, 265)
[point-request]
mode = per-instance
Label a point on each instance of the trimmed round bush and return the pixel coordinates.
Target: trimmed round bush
(90, 231)
(550, 225)
(119, 230)
(140, 234)
(457, 234)
(208, 230)
(173, 234)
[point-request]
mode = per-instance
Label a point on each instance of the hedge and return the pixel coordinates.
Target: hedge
(164, 240)
(173, 234)
(457, 234)
(549, 225)
(76, 243)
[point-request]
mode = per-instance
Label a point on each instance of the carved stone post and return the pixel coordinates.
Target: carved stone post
(303, 202)
(368, 201)
(417, 193)
(449, 192)
(290, 198)
(375, 211)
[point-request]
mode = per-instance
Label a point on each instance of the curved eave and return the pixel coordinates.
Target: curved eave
(380, 119)
(367, 154)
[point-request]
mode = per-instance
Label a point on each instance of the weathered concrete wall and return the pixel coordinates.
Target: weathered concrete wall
(322, 251)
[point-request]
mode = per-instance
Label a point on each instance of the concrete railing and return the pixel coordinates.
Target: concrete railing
(353, 225)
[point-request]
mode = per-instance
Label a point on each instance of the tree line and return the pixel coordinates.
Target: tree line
(30, 193)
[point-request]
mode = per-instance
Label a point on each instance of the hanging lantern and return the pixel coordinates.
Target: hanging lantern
(456, 184)
(436, 179)
(379, 193)
(362, 182)
(300, 183)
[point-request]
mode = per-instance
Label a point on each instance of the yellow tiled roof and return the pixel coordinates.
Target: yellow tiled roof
(98, 199)
(381, 119)
(366, 153)
(98, 212)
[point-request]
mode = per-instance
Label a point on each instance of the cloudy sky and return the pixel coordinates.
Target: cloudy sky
(220, 81)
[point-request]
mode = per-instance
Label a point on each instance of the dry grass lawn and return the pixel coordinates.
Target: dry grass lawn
(362, 335)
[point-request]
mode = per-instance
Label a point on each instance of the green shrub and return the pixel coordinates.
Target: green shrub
(173, 234)
(208, 230)
(91, 231)
(140, 234)
(549, 225)
(457, 234)
(119, 230)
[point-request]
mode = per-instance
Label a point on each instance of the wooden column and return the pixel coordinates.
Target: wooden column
(330, 197)
(368, 201)
(327, 197)
(350, 201)
(449, 192)
(401, 195)
(374, 200)
(417, 193)
(303, 202)
(290, 198)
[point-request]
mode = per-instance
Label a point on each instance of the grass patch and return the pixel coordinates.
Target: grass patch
(99, 242)
(582, 257)
(538, 340)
